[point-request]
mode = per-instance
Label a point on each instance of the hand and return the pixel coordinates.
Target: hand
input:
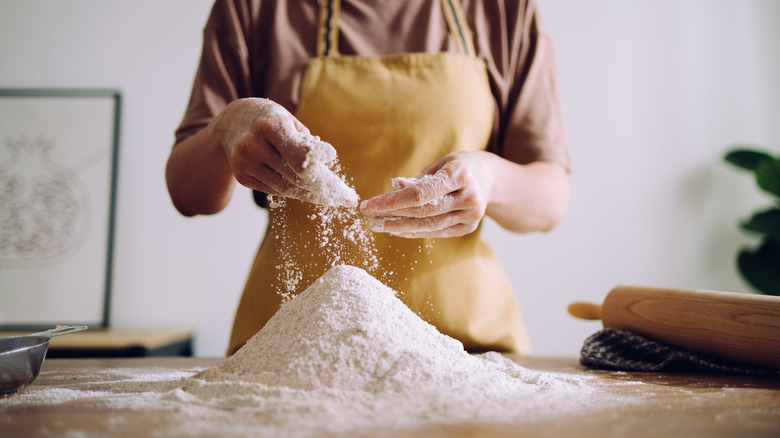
(448, 199)
(271, 151)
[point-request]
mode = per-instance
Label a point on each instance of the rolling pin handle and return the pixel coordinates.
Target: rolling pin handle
(584, 310)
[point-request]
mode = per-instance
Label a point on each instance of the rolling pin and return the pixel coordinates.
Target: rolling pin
(733, 326)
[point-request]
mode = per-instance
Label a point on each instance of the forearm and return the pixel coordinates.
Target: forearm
(529, 197)
(199, 176)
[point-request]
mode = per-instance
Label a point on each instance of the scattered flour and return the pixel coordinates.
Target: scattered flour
(288, 270)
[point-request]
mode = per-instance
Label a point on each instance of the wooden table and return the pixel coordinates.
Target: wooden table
(662, 405)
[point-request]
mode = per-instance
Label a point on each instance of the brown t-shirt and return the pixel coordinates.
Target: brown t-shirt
(259, 48)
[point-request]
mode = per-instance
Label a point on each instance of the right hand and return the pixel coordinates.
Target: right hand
(262, 142)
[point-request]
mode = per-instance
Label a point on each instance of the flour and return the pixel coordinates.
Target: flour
(345, 357)
(342, 233)
(341, 236)
(320, 175)
(319, 180)
(344, 236)
(347, 353)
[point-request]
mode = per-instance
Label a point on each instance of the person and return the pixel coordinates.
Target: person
(464, 91)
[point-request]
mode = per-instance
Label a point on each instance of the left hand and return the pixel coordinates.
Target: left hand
(448, 199)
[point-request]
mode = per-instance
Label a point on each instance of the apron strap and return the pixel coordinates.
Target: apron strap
(459, 27)
(328, 27)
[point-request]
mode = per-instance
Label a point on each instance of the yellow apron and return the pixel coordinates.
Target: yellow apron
(390, 116)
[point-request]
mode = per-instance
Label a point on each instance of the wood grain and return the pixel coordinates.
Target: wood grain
(636, 405)
(741, 327)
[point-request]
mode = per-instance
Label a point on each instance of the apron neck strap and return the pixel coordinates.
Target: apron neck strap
(459, 27)
(328, 27)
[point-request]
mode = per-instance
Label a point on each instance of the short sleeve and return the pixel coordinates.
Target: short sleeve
(223, 72)
(521, 67)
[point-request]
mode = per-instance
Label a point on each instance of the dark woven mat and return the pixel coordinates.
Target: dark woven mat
(617, 350)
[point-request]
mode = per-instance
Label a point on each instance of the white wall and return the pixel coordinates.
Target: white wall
(654, 92)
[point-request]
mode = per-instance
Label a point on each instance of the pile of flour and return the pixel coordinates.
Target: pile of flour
(347, 354)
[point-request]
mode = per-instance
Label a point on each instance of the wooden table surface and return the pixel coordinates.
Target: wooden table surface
(660, 405)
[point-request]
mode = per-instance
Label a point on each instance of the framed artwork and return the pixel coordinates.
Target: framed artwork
(58, 173)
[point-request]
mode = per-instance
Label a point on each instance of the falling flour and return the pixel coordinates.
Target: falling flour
(341, 236)
(341, 233)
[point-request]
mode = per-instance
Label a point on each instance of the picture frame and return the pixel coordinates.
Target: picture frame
(58, 182)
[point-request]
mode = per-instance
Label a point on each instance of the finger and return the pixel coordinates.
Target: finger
(300, 126)
(438, 206)
(268, 181)
(394, 224)
(454, 231)
(316, 175)
(255, 158)
(426, 190)
(272, 158)
(434, 167)
(293, 153)
(278, 128)
(294, 141)
(271, 182)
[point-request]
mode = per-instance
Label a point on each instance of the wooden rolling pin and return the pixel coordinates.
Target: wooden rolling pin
(733, 326)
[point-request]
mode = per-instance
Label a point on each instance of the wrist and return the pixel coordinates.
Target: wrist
(491, 168)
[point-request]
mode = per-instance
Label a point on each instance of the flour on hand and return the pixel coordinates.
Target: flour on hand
(320, 175)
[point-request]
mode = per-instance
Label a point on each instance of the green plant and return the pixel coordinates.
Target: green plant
(760, 266)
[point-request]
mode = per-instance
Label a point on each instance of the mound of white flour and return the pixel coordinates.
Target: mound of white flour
(347, 353)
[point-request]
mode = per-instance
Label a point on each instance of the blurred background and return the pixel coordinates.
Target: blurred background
(654, 93)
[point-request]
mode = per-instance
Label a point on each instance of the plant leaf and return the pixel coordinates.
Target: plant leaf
(746, 158)
(762, 268)
(768, 175)
(765, 222)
